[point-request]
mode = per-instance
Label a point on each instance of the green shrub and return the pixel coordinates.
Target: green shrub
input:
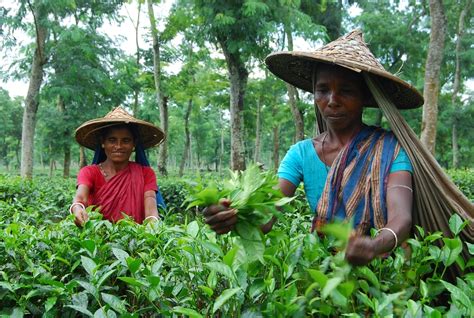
(464, 180)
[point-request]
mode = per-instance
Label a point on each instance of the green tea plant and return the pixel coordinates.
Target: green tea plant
(179, 267)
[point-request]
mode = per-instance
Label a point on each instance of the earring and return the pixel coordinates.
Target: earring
(103, 146)
(133, 149)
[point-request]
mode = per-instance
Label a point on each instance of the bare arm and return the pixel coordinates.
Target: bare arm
(82, 196)
(399, 210)
(361, 250)
(151, 210)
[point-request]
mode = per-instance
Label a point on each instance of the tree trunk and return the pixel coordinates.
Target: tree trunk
(276, 143)
(136, 90)
(187, 140)
(51, 161)
(67, 161)
(293, 96)
(32, 97)
(67, 148)
(161, 101)
(221, 151)
(238, 76)
(455, 142)
(432, 73)
(82, 158)
(258, 125)
(163, 156)
(457, 83)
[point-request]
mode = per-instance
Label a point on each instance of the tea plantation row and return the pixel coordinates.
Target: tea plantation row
(178, 267)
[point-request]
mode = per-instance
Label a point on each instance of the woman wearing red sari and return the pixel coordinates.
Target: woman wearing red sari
(114, 184)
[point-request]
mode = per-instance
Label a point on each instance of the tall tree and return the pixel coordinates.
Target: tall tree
(457, 80)
(136, 25)
(240, 28)
(161, 99)
(40, 15)
(47, 16)
(432, 74)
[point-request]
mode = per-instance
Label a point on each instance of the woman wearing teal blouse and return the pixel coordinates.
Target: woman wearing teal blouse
(350, 171)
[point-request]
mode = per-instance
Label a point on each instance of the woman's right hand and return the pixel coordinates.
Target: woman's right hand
(80, 215)
(220, 217)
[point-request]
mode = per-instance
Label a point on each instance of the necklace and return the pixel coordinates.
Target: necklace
(102, 170)
(322, 152)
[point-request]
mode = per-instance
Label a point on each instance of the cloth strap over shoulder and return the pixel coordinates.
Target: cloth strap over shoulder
(436, 197)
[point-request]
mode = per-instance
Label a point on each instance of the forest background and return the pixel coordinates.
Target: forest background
(196, 69)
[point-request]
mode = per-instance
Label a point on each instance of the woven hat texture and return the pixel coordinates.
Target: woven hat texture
(89, 133)
(349, 51)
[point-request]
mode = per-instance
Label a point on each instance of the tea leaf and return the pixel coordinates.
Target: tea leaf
(228, 259)
(209, 292)
(456, 224)
(88, 264)
(192, 229)
(470, 248)
(121, 255)
(331, 284)
(187, 311)
(114, 302)
(89, 288)
(458, 296)
(369, 275)
(50, 302)
(451, 250)
(132, 281)
(81, 310)
(223, 298)
(221, 268)
(340, 231)
(318, 276)
(133, 264)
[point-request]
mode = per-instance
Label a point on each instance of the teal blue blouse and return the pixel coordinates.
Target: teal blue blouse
(302, 164)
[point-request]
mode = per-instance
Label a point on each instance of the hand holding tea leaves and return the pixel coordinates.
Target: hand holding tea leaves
(248, 200)
(221, 218)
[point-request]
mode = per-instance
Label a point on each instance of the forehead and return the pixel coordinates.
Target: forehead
(119, 132)
(326, 72)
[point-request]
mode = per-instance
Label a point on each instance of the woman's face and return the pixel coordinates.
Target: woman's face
(118, 144)
(339, 94)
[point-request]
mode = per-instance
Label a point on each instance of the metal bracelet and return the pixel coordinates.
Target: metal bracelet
(151, 217)
(74, 204)
(394, 234)
(400, 186)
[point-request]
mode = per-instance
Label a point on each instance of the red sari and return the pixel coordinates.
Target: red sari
(123, 193)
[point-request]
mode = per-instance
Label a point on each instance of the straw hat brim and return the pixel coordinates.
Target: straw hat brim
(297, 68)
(89, 133)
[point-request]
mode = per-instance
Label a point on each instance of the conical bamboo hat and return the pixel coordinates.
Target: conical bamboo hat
(349, 51)
(89, 133)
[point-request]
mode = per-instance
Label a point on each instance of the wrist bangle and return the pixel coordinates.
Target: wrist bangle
(394, 235)
(151, 217)
(74, 204)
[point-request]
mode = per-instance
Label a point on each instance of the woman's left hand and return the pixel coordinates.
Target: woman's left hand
(360, 250)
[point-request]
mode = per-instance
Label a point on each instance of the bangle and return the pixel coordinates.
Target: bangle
(74, 204)
(394, 235)
(151, 217)
(400, 186)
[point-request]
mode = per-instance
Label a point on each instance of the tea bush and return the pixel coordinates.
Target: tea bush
(49, 267)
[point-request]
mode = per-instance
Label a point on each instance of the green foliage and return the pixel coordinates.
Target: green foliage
(253, 193)
(464, 180)
(51, 267)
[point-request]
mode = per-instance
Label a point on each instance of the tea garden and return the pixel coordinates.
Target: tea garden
(180, 268)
